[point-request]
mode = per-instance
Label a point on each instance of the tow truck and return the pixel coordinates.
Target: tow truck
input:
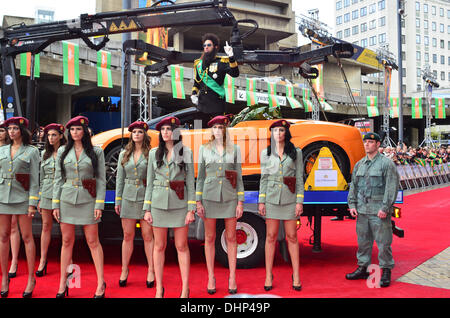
(35, 38)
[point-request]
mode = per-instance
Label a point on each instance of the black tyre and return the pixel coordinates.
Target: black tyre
(311, 152)
(251, 238)
(111, 159)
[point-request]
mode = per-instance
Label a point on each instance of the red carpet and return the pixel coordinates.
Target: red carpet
(425, 219)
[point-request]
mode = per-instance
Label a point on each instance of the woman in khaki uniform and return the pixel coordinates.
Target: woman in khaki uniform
(54, 137)
(79, 197)
(220, 195)
(15, 234)
(19, 186)
(281, 197)
(170, 199)
(130, 191)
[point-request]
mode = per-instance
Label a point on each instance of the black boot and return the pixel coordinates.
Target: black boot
(359, 273)
(385, 277)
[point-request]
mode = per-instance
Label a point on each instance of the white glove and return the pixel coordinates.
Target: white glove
(228, 49)
(194, 99)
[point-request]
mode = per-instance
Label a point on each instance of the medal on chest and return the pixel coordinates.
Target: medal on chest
(213, 67)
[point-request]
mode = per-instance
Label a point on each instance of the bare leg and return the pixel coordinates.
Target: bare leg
(91, 234)
(47, 223)
(129, 229)
(159, 257)
(25, 223)
(5, 235)
(210, 250)
(293, 247)
(230, 235)
(15, 244)
(149, 242)
(68, 239)
(184, 257)
(272, 226)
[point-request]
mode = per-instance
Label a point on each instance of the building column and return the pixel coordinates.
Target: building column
(178, 42)
(64, 108)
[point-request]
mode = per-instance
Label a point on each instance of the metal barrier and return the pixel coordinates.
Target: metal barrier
(415, 176)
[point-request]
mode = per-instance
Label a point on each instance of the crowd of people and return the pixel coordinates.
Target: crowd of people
(421, 155)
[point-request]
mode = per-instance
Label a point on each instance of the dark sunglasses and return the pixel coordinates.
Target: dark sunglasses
(207, 45)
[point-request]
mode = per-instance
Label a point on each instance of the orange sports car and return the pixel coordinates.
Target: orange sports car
(253, 136)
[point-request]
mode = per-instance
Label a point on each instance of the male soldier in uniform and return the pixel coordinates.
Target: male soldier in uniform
(372, 193)
(208, 92)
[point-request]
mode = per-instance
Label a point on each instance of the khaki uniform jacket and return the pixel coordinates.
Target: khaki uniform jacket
(26, 160)
(70, 189)
(158, 193)
(211, 181)
(130, 179)
(272, 188)
(374, 185)
(47, 177)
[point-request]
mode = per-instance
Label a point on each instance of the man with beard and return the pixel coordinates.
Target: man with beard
(208, 92)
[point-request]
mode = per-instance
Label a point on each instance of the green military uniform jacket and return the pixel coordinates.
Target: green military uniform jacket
(272, 189)
(131, 179)
(209, 80)
(70, 189)
(26, 160)
(158, 193)
(47, 177)
(374, 185)
(211, 181)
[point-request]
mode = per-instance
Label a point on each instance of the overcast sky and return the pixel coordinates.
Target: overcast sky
(69, 9)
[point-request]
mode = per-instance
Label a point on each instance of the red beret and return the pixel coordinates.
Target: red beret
(280, 123)
(58, 127)
(77, 121)
(221, 120)
(167, 121)
(138, 124)
(17, 121)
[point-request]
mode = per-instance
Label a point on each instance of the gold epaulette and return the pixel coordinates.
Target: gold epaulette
(225, 59)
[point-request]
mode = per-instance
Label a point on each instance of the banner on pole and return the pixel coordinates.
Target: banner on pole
(177, 74)
(416, 108)
(25, 64)
(71, 64)
(372, 106)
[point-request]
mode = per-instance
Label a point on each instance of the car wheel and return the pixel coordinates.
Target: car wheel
(111, 159)
(250, 236)
(311, 152)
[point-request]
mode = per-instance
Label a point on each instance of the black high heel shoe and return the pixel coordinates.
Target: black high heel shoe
(102, 295)
(212, 291)
(150, 284)
(29, 294)
(123, 282)
(296, 288)
(232, 291)
(269, 287)
(63, 294)
(5, 293)
(42, 272)
(13, 274)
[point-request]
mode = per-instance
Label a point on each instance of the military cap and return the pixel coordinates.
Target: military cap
(372, 136)
(280, 123)
(58, 127)
(77, 121)
(167, 121)
(221, 120)
(16, 121)
(138, 124)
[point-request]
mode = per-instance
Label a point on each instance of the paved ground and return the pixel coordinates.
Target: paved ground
(435, 272)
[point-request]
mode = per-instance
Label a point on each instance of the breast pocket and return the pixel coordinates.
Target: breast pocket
(376, 178)
(24, 164)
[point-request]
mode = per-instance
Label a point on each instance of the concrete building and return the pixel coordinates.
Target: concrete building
(425, 37)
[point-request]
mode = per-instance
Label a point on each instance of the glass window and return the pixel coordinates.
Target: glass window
(381, 5)
(363, 11)
(418, 56)
(433, 26)
(442, 59)
(434, 58)
(434, 42)
(373, 40)
(382, 38)
(364, 42)
(382, 21)
(346, 3)
(417, 6)
(339, 20)
(338, 5)
(426, 57)
(339, 34)
(372, 8)
(347, 32)
(425, 8)
(417, 38)
(355, 29)
(442, 43)
(355, 14)
(441, 12)
(441, 28)
(417, 23)
(449, 60)
(433, 10)
(347, 17)
(448, 14)
(443, 76)
(425, 24)
(364, 27)
(418, 72)
(372, 24)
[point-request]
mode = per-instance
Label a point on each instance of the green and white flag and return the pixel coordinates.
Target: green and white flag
(290, 97)
(104, 78)
(25, 64)
(416, 108)
(372, 106)
(177, 73)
